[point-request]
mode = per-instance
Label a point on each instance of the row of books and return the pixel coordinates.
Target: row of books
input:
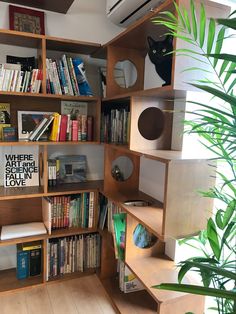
(63, 128)
(115, 125)
(13, 79)
(28, 259)
(69, 211)
(67, 169)
(66, 76)
(72, 254)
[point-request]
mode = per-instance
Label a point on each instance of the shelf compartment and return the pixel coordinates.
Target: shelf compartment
(75, 188)
(126, 303)
(59, 233)
(9, 282)
(21, 192)
(149, 216)
(69, 45)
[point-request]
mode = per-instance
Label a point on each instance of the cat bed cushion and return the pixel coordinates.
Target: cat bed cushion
(22, 230)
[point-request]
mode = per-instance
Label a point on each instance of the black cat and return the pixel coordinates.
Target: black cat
(158, 54)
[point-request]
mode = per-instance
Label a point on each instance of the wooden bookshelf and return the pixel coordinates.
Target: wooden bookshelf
(23, 239)
(136, 302)
(63, 232)
(74, 188)
(21, 192)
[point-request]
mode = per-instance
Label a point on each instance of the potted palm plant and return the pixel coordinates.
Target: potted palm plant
(216, 127)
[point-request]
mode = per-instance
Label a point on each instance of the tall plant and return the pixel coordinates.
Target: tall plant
(216, 126)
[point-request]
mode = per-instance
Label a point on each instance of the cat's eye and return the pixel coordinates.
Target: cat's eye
(164, 50)
(154, 51)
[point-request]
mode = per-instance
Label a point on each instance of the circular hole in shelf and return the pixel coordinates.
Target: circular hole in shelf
(142, 238)
(125, 73)
(122, 168)
(151, 123)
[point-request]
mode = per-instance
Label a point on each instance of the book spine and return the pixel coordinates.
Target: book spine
(73, 76)
(89, 128)
(91, 209)
(35, 262)
(74, 130)
(67, 75)
(22, 268)
(63, 128)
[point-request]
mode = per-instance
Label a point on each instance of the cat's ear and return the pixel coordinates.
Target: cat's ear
(169, 39)
(151, 41)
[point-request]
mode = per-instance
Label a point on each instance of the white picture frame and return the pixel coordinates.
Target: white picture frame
(27, 121)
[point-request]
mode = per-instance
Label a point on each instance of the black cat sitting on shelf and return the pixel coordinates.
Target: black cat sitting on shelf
(158, 54)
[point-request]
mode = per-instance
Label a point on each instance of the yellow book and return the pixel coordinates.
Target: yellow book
(28, 246)
(55, 127)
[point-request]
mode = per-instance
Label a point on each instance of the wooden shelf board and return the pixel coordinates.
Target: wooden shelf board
(21, 192)
(50, 5)
(149, 216)
(75, 188)
(23, 239)
(171, 155)
(69, 45)
(46, 143)
(70, 231)
(23, 39)
(52, 96)
(165, 93)
(136, 302)
(8, 280)
(153, 271)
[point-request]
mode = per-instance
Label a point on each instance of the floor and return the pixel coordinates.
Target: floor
(83, 295)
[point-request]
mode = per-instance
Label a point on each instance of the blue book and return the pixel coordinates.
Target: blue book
(63, 78)
(83, 85)
(22, 269)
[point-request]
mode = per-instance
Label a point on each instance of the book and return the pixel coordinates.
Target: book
(74, 108)
(73, 168)
(84, 88)
(26, 63)
(9, 134)
(41, 128)
(21, 166)
(22, 263)
(35, 261)
(5, 119)
(22, 230)
(119, 228)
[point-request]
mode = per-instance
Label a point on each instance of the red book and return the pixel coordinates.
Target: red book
(63, 128)
(89, 128)
(74, 130)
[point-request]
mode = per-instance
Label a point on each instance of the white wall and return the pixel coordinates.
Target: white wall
(85, 20)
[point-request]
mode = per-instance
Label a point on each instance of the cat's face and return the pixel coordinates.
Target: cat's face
(158, 50)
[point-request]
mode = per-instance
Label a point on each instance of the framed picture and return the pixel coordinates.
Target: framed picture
(26, 20)
(27, 121)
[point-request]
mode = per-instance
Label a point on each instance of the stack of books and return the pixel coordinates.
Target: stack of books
(115, 126)
(13, 79)
(64, 128)
(74, 211)
(73, 254)
(28, 259)
(67, 77)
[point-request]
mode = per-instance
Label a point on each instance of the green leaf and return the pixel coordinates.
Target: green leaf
(223, 56)
(180, 14)
(213, 238)
(229, 213)
(202, 25)
(231, 23)
(197, 290)
(223, 67)
(228, 74)
(194, 20)
(187, 21)
(211, 35)
(227, 234)
(215, 92)
(219, 44)
(183, 270)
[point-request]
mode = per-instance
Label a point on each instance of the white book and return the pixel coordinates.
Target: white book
(67, 75)
(21, 166)
(2, 73)
(91, 209)
(22, 230)
(6, 80)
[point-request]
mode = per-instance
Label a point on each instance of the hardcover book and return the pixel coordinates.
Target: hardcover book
(4, 117)
(74, 108)
(22, 264)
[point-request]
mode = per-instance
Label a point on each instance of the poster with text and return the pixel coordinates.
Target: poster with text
(21, 166)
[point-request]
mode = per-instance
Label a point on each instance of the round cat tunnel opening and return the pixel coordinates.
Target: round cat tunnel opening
(151, 123)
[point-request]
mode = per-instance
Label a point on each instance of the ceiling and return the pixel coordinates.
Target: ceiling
(60, 6)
